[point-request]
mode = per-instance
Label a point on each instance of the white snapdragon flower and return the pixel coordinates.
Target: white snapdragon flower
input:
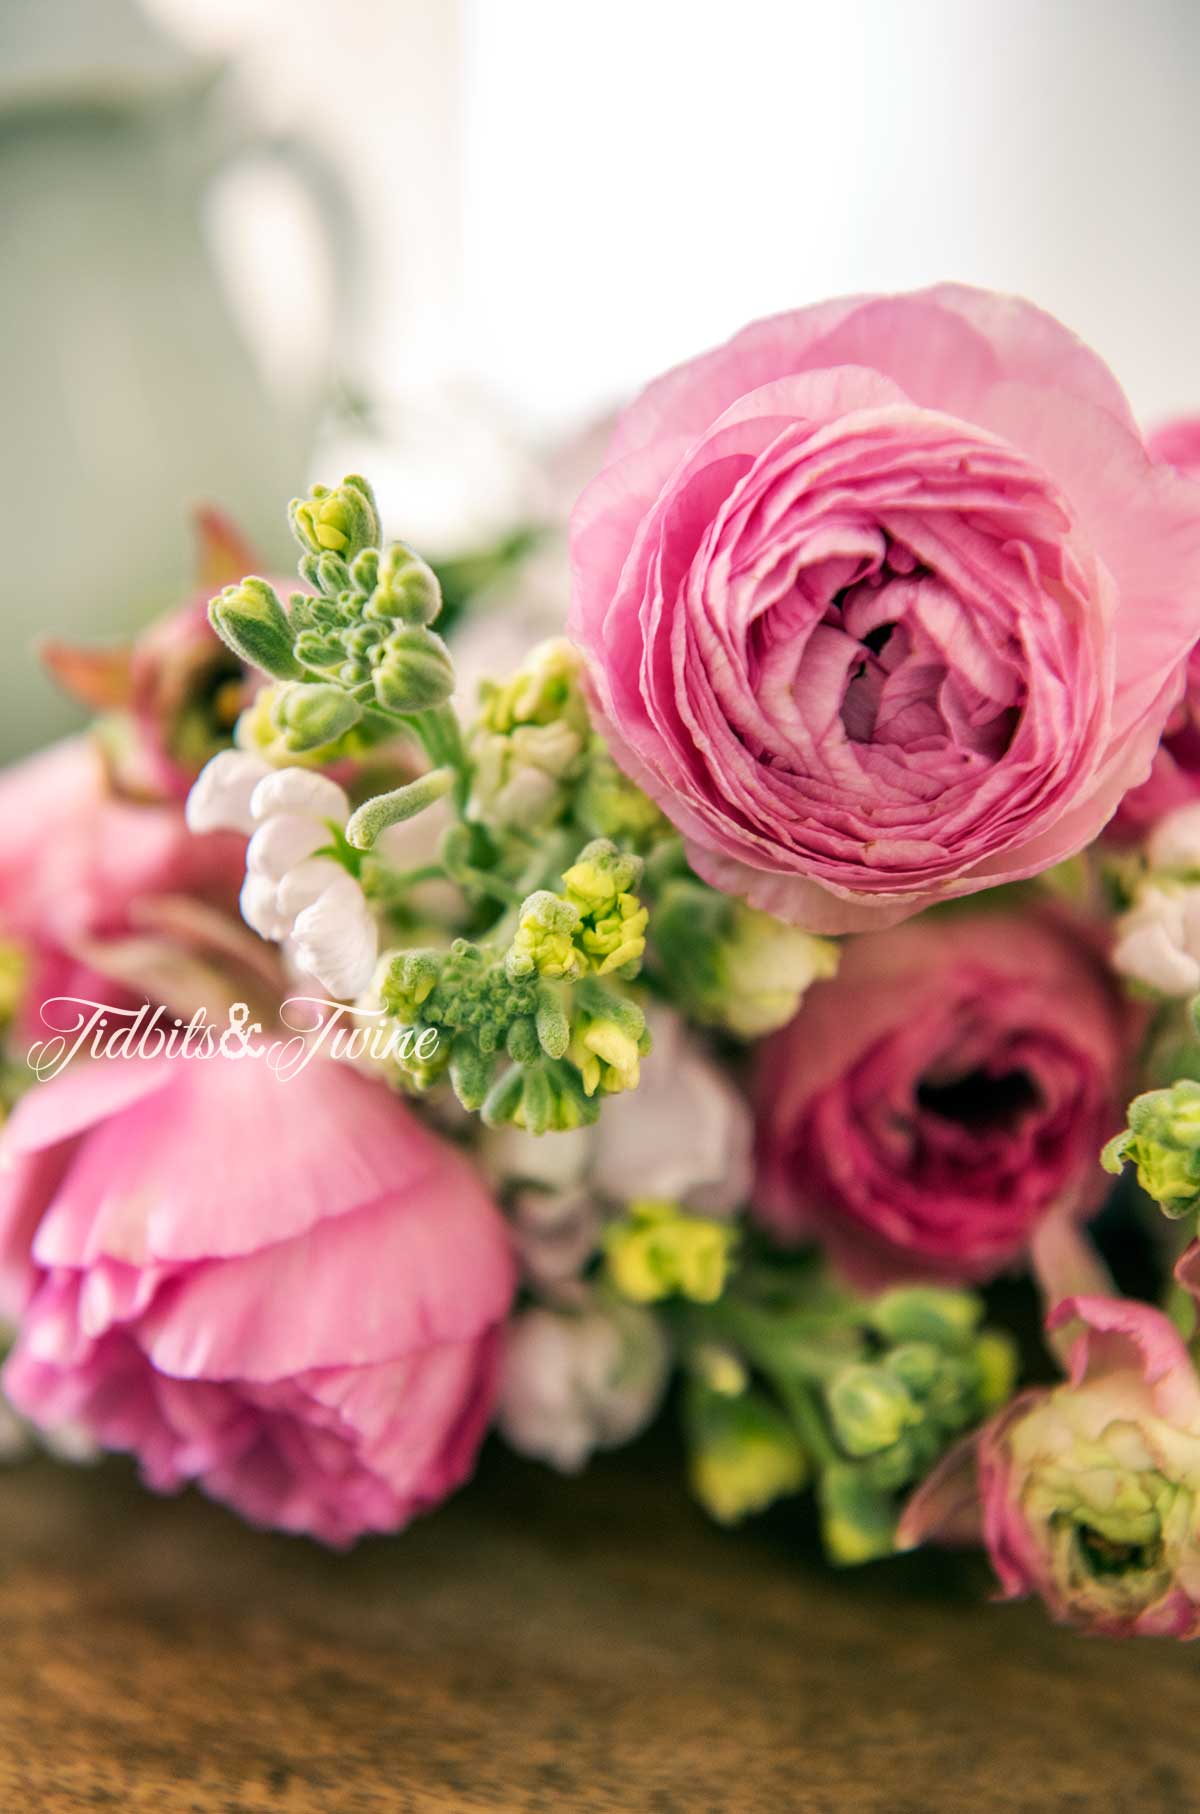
(579, 1380)
(222, 791)
(1158, 938)
(292, 893)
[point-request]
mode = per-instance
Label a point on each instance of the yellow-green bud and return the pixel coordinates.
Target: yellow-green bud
(521, 775)
(733, 966)
(609, 805)
(997, 1361)
(1163, 1142)
(744, 1454)
(343, 521)
(250, 620)
(406, 588)
(925, 1313)
(308, 717)
(606, 1055)
(415, 671)
(408, 980)
(659, 1252)
(545, 939)
(600, 884)
(545, 688)
(869, 1408)
(858, 1522)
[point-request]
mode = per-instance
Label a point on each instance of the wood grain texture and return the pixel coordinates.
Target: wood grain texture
(585, 1645)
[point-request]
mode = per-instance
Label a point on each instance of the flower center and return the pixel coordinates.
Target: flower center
(903, 687)
(1102, 1557)
(981, 1101)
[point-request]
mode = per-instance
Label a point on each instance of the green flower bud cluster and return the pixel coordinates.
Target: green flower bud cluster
(1163, 1141)
(343, 521)
(657, 1251)
(876, 1390)
(359, 642)
(277, 726)
(527, 1031)
(538, 763)
(250, 620)
(564, 1046)
(732, 966)
(596, 926)
(894, 1414)
(366, 629)
(529, 740)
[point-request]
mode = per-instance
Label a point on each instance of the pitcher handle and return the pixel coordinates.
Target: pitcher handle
(318, 177)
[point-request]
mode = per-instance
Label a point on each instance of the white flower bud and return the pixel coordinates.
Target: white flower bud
(336, 938)
(1158, 939)
(301, 791)
(282, 842)
(578, 1381)
(555, 1233)
(222, 791)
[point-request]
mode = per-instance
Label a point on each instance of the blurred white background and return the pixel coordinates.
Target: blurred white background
(563, 198)
(429, 237)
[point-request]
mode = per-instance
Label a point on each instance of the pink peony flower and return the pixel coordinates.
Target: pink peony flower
(884, 602)
(287, 1292)
(1175, 777)
(1089, 1491)
(78, 861)
(936, 1099)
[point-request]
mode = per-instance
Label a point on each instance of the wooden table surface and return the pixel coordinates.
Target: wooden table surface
(544, 1644)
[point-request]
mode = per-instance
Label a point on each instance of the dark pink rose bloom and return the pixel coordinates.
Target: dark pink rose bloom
(1086, 1493)
(947, 1090)
(288, 1292)
(885, 602)
(1175, 777)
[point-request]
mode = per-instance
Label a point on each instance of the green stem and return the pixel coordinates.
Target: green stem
(1180, 1306)
(801, 1404)
(438, 730)
(783, 1347)
(776, 1355)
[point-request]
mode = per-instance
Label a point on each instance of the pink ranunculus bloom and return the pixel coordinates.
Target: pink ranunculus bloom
(286, 1291)
(885, 602)
(1174, 779)
(950, 1087)
(77, 860)
(1089, 1492)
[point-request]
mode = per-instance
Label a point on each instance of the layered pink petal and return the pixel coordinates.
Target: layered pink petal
(288, 1292)
(885, 602)
(948, 1090)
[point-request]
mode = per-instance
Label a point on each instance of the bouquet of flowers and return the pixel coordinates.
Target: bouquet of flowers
(718, 996)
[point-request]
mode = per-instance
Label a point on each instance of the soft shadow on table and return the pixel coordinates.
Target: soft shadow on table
(541, 1644)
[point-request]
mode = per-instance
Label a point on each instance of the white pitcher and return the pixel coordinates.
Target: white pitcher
(127, 391)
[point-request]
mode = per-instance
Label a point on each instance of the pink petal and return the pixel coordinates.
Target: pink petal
(370, 1286)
